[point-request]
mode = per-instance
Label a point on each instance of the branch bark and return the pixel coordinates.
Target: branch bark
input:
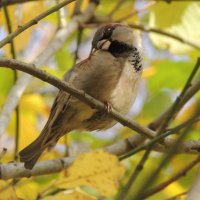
(174, 178)
(32, 22)
(21, 84)
(164, 33)
(8, 3)
(81, 95)
(17, 170)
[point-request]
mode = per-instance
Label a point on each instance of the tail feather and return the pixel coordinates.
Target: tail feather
(30, 154)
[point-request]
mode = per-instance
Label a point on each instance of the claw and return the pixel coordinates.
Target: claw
(108, 106)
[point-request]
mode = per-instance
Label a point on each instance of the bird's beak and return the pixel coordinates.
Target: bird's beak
(103, 44)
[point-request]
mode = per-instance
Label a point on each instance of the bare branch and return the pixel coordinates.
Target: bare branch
(194, 88)
(14, 56)
(164, 33)
(122, 195)
(17, 170)
(81, 95)
(104, 19)
(174, 108)
(170, 154)
(178, 175)
(32, 22)
(4, 3)
(21, 84)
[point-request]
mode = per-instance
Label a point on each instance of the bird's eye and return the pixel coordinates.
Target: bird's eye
(107, 33)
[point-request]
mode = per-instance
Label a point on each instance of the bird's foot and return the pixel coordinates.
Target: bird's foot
(108, 106)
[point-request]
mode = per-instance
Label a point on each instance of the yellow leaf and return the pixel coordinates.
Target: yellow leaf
(71, 195)
(27, 189)
(33, 103)
(181, 19)
(174, 189)
(148, 72)
(7, 192)
(188, 111)
(71, 6)
(28, 132)
(98, 169)
(18, 17)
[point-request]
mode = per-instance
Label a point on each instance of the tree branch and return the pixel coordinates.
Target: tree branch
(21, 84)
(32, 22)
(9, 2)
(194, 88)
(81, 95)
(164, 33)
(102, 19)
(17, 170)
(178, 175)
(169, 155)
(14, 56)
(174, 108)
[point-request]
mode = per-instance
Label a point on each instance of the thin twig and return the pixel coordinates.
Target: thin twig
(8, 2)
(32, 22)
(17, 170)
(13, 53)
(195, 87)
(123, 194)
(144, 28)
(178, 100)
(171, 113)
(164, 33)
(53, 46)
(81, 95)
(137, 148)
(78, 42)
(165, 123)
(188, 122)
(155, 140)
(166, 159)
(174, 178)
(134, 141)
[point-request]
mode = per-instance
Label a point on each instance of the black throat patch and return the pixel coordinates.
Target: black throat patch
(121, 49)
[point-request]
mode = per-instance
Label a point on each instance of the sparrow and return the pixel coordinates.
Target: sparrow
(110, 74)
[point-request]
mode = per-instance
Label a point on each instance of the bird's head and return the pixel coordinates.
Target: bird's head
(116, 38)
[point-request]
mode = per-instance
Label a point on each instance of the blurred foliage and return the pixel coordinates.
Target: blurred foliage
(167, 64)
(93, 169)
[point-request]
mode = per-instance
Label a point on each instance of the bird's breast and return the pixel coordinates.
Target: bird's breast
(124, 93)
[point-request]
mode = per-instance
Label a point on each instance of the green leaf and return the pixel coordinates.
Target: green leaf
(159, 101)
(170, 75)
(178, 18)
(6, 82)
